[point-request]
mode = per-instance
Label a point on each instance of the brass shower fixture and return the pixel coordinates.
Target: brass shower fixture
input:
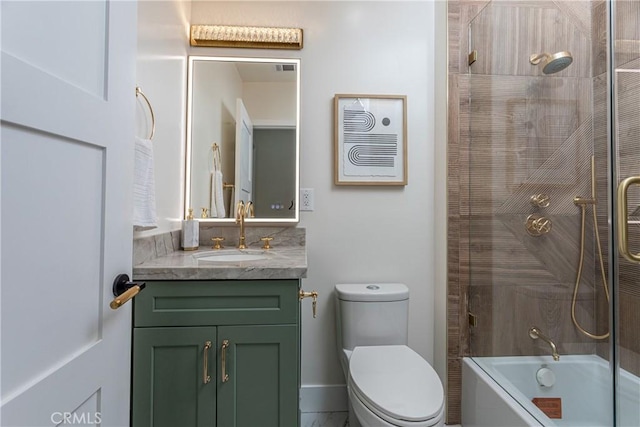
(538, 225)
(583, 202)
(540, 200)
(552, 63)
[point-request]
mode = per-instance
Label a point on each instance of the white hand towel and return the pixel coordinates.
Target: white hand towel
(213, 209)
(217, 197)
(144, 187)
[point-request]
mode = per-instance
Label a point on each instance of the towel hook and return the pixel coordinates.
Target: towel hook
(153, 117)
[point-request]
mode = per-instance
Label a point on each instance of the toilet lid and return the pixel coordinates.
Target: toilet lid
(395, 381)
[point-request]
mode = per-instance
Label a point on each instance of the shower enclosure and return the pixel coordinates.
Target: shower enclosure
(549, 124)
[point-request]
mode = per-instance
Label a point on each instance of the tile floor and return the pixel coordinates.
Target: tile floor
(330, 419)
(323, 419)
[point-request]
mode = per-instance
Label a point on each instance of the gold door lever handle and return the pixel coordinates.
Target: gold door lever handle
(124, 290)
(123, 298)
(623, 225)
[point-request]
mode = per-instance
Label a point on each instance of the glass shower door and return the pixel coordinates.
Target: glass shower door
(625, 105)
(546, 148)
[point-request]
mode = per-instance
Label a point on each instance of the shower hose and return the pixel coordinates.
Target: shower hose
(583, 209)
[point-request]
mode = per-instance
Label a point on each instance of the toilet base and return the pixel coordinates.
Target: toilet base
(353, 418)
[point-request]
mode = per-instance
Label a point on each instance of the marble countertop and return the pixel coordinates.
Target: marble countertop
(288, 262)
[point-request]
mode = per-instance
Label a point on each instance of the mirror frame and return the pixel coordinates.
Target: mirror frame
(188, 145)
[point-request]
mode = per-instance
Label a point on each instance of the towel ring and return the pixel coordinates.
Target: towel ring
(153, 117)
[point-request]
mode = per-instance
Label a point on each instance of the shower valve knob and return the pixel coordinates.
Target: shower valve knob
(537, 225)
(540, 200)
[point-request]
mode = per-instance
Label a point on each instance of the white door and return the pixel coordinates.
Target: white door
(244, 154)
(68, 98)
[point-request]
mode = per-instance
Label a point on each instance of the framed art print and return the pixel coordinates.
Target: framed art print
(370, 140)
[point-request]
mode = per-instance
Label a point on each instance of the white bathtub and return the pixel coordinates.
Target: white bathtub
(497, 392)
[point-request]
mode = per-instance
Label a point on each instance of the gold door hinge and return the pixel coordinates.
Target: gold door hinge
(473, 56)
(473, 320)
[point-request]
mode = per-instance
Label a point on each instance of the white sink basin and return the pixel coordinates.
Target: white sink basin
(231, 255)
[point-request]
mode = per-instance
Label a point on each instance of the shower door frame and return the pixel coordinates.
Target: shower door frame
(616, 162)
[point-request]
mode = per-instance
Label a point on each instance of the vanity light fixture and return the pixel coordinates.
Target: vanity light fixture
(239, 36)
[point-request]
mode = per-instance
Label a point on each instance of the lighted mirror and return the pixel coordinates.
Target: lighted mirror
(242, 138)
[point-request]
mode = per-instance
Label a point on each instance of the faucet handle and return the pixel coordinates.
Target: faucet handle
(266, 241)
(217, 245)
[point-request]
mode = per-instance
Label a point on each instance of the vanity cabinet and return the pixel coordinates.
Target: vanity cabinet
(243, 334)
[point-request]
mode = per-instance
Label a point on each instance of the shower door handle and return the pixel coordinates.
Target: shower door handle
(623, 223)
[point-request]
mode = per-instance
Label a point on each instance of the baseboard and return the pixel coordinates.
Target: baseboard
(323, 398)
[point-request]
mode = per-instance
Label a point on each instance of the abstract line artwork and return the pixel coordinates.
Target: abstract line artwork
(370, 140)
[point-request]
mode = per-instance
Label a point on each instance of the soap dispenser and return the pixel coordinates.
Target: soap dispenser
(190, 233)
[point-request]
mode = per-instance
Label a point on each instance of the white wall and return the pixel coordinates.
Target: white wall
(163, 28)
(271, 103)
(355, 234)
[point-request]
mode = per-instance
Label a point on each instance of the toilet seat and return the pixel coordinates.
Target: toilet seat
(397, 385)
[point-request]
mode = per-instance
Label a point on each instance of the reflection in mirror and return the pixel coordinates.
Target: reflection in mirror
(242, 137)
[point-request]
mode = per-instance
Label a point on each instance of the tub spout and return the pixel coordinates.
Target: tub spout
(535, 333)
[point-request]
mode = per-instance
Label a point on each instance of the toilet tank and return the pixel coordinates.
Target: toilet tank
(371, 314)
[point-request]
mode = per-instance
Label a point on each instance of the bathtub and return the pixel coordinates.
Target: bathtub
(498, 392)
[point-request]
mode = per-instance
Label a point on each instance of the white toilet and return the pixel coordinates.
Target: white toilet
(388, 383)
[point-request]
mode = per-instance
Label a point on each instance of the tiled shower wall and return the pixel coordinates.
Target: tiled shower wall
(513, 133)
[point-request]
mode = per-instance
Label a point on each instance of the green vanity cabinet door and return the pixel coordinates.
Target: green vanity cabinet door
(262, 387)
(169, 389)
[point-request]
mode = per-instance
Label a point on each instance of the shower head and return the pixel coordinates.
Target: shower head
(552, 63)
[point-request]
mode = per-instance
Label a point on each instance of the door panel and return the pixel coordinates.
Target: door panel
(57, 281)
(626, 159)
(77, 41)
(244, 154)
(168, 369)
(262, 364)
(66, 177)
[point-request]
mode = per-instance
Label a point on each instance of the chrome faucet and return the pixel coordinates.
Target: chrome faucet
(242, 211)
(535, 333)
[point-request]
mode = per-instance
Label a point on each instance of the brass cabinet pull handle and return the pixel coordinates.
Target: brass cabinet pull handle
(206, 378)
(623, 226)
(225, 376)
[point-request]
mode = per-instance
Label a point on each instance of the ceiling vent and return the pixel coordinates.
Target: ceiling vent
(285, 67)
